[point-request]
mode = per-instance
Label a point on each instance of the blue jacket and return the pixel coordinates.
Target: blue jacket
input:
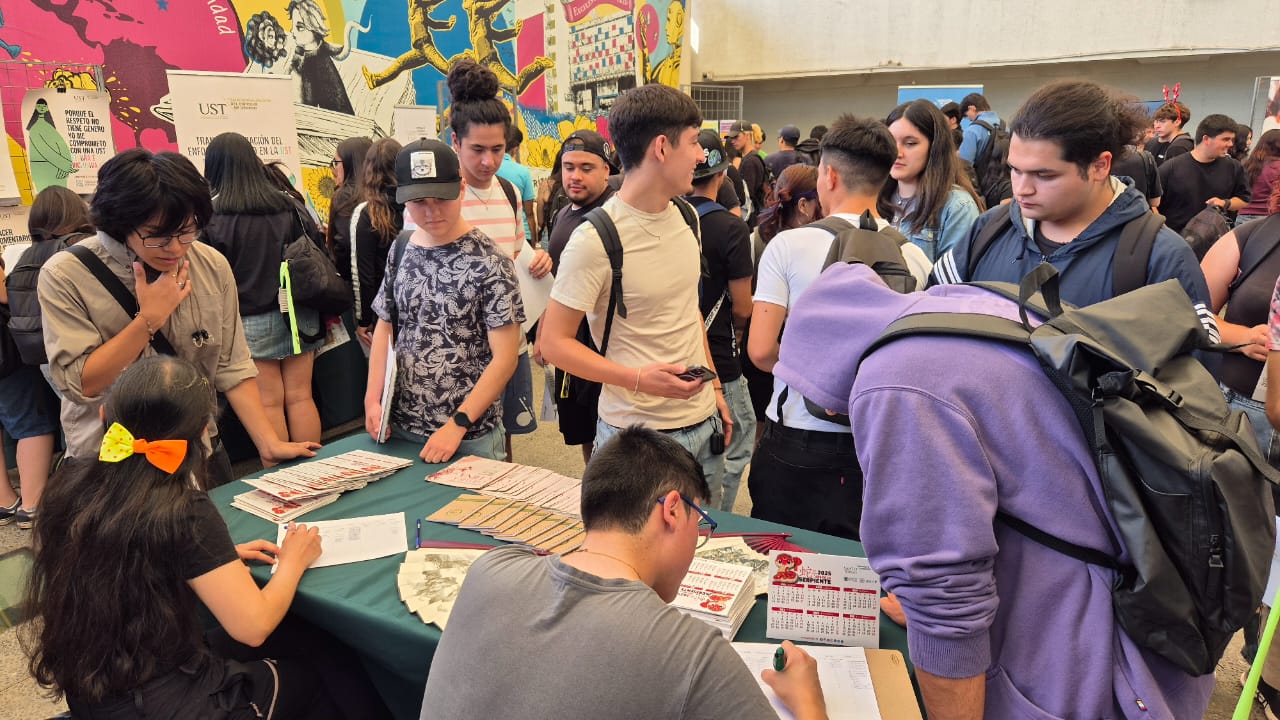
(1085, 263)
(976, 137)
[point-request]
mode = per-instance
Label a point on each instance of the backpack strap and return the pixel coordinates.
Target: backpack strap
(355, 268)
(608, 233)
(397, 254)
(1253, 254)
(1000, 222)
(127, 301)
(1133, 253)
(690, 217)
(510, 191)
(705, 209)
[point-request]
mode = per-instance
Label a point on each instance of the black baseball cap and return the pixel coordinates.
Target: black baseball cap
(592, 142)
(790, 133)
(427, 168)
(713, 158)
(739, 127)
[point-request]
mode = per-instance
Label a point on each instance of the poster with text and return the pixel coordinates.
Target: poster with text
(413, 122)
(14, 234)
(260, 107)
(937, 94)
(68, 136)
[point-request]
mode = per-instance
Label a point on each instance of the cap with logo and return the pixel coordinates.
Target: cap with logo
(592, 142)
(790, 134)
(713, 158)
(427, 168)
(737, 128)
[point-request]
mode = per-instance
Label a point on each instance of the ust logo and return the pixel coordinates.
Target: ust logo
(213, 108)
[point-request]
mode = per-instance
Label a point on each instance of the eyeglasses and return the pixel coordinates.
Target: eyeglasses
(186, 236)
(706, 523)
(334, 163)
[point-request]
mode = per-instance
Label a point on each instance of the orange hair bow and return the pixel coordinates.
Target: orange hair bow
(119, 444)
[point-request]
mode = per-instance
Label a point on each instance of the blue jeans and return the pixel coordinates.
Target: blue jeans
(1242, 219)
(490, 445)
(738, 452)
(1262, 430)
(696, 439)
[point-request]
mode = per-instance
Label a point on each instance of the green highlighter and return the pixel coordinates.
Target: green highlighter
(779, 659)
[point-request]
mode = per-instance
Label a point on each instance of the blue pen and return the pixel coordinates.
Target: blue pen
(418, 543)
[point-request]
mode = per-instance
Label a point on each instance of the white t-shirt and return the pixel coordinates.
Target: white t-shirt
(790, 263)
(661, 267)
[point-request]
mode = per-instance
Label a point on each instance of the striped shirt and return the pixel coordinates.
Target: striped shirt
(489, 211)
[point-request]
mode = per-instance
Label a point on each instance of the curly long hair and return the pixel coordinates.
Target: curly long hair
(796, 182)
(1264, 151)
(256, 47)
(942, 168)
(380, 174)
(107, 586)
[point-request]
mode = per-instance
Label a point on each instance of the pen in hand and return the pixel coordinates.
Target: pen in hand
(779, 659)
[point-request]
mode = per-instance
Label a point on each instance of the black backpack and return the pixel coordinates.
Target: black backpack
(992, 165)
(1204, 229)
(1183, 478)
(24, 304)
(1133, 250)
(878, 248)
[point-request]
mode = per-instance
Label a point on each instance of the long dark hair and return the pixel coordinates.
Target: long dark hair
(351, 152)
(35, 115)
(473, 91)
(238, 179)
(379, 175)
(107, 577)
(57, 211)
(794, 184)
(1264, 151)
(942, 169)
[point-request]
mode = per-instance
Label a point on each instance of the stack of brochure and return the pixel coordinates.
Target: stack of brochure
(531, 485)
(514, 521)
(719, 594)
(287, 493)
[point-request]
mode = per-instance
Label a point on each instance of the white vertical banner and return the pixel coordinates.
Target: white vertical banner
(413, 122)
(14, 235)
(260, 107)
(68, 137)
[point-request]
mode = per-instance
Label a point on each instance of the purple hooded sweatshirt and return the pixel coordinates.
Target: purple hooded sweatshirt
(948, 430)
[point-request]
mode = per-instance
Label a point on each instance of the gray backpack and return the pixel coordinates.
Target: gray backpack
(880, 250)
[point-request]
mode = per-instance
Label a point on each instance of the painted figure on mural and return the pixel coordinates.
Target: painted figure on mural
(484, 40)
(264, 42)
(424, 51)
(51, 161)
(315, 59)
(667, 71)
(13, 50)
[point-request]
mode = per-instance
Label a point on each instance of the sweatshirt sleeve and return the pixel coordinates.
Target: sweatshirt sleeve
(941, 572)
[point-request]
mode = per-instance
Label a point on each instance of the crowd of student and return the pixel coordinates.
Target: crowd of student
(678, 257)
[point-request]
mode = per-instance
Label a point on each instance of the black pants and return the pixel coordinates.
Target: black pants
(807, 479)
(218, 470)
(319, 676)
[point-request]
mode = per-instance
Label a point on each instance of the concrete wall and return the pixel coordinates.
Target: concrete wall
(756, 39)
(1216, 83)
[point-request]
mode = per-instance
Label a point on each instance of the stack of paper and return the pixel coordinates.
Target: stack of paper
(513, 521)
(356, 539)
(429, 581)
(734, 550)
(717, 593)
(284, 494)
(531, 485)
(844, 674)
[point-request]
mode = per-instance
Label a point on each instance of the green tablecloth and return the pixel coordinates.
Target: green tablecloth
(360, 604)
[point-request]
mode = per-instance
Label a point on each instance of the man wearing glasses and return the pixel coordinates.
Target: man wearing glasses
(590, 634)
(180, 294)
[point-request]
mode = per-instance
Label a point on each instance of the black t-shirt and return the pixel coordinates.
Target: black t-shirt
(253, 246)
(1139, 165)
(371, 258)
(753, 173)
(728, 197)
(566, 222)
(726, 244)
(211, 545)
(1188, 183)
(1249, 303)
(1047, 246)
(1181, 144)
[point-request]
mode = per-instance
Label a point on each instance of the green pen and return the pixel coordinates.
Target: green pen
(779, 659)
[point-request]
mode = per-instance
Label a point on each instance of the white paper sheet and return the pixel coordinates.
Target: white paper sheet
(355, 539)
(534, 292)
(388, 391)
(842, 671)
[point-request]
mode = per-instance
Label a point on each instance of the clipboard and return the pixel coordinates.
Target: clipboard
(895, 694)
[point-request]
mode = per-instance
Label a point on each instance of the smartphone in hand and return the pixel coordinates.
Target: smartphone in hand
(697, 372)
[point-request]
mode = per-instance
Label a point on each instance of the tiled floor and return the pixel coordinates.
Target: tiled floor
(21, 699)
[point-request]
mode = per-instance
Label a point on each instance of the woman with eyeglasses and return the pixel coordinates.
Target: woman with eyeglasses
(252, 222)
(348, 161)
(144, 285)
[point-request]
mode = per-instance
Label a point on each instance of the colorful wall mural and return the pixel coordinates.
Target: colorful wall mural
(561, 63)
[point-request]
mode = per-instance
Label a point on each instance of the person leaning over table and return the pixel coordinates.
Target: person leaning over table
(149, 209)
(590, 634)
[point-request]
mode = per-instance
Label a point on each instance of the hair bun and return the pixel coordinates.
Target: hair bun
(470, 81)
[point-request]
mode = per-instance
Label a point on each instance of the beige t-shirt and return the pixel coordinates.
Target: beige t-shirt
(80, 315)
(660, 272)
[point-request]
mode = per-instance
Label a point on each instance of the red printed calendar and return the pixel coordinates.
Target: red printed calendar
(830, 599)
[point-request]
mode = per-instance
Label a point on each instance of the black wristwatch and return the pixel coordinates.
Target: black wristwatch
(461, 420)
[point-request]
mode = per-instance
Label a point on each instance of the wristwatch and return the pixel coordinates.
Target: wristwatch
(461, 420)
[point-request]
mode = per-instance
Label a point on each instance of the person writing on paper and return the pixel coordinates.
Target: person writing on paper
(129, 546)
(149, 209)
(590, 634)
(450, 302)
